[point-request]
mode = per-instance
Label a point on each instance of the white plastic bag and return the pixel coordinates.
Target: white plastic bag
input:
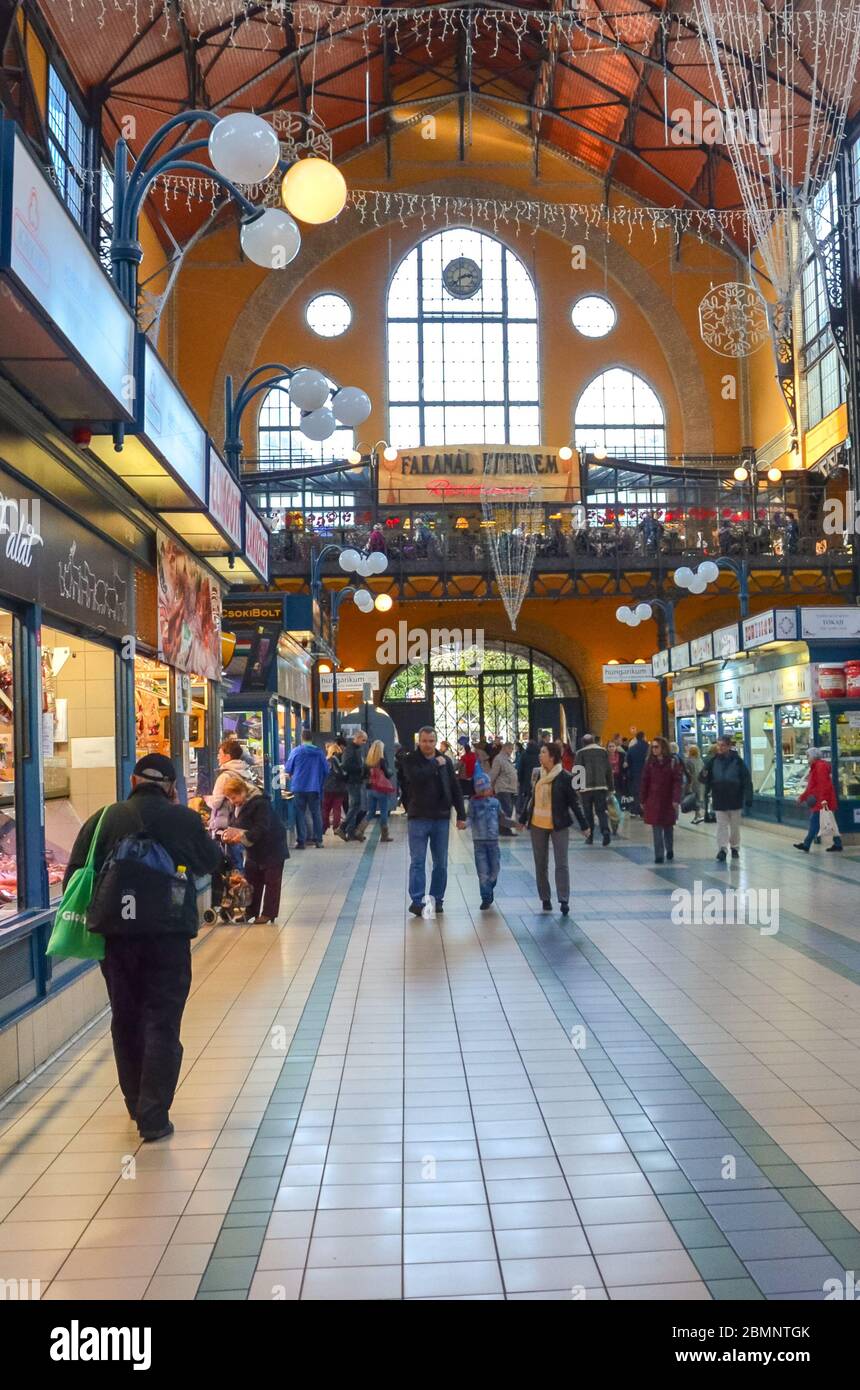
(828, 827)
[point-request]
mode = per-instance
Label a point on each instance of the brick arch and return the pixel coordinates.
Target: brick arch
(277, 289)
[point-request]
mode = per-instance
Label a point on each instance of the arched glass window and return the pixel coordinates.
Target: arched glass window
(281, 444)
(462, 344)
(620, 413)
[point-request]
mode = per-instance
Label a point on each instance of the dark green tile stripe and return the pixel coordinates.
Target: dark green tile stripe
(655, 1064)
(233, 1261)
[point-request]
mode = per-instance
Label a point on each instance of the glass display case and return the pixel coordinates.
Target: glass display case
(795, 740)
(707, 734)
(731, 724)
(762, 751)
(848, 755)
(685, 732)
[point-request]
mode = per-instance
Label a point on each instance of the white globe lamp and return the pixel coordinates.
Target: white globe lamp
(643, 611)
(244, 148)
(383, 603)
(363, 600)
(624, 614)
(318, 425)
(309, 389)
(349, 560)
(683, 577)
(708, 571)
(271, 240)
(378, 562)
(351, 405)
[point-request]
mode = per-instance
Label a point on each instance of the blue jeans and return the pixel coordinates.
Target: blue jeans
(814, 826)
(305, 802)
(487, 865)
(421, 833)
(378, 801)
(355, 813)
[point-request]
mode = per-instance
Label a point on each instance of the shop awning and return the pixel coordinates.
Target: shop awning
(66, 337)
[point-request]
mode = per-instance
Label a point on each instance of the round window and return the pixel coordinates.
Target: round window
(593, 316)
(329, 315)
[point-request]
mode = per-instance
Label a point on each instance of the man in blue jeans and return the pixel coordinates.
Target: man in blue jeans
(429, 788)
(307, 770)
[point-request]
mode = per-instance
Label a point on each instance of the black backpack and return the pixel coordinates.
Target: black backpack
(139, 891)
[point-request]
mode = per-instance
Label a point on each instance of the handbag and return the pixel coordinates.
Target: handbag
(70, 938)
(828, 826)
(379, 782)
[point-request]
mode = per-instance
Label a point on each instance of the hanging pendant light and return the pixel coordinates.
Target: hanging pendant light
(313, 190)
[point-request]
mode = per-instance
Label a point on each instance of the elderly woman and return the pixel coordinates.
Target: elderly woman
(259, 828)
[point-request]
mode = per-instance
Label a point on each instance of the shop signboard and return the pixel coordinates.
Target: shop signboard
(477, 472)
(680, 656)
(837, 623)
(685, 702)
(727, 642)
(189, 612)
(757, 689)
(225, 499)
(349, 680)
(47, 558)
(776, 625)
(256, 542)
(244, 609)
(47, 257)
(660, 663)
(632, 674)
(792, 683)
(728, 695)
(171, 428)
(702, 649)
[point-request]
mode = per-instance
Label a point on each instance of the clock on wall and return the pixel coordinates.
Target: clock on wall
(462, 277)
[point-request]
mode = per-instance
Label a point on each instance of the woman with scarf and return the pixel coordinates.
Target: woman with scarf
(552, 807)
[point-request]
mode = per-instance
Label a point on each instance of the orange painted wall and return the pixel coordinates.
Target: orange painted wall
(214, 286)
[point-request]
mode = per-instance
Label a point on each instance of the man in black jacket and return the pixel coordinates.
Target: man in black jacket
(430, 789)
(636, 755)
(354, 772)
(728, 780)
(148, 976)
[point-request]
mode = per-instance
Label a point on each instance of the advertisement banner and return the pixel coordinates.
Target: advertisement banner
(225, 498)
(172, 429)
(189, 612)
(680, 656)
(727, 641)
(777, 625)
(702, 648)
(256, 542)
(838, 623)
(685, 702)
(660, 663)
(350, 680)
(477, 471)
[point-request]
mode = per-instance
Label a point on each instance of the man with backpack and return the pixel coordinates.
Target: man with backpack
(148, 851)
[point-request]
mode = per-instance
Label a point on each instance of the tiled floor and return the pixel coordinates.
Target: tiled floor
(480, 1106)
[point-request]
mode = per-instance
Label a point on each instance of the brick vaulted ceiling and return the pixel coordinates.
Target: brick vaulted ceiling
(603, 103)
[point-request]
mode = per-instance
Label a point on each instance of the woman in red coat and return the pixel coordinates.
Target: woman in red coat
(660, 797)
(818, 792)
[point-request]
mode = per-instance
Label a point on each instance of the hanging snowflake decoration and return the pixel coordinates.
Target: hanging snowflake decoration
(733, 320)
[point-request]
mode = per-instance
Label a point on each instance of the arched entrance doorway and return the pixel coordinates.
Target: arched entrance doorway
(506, 689)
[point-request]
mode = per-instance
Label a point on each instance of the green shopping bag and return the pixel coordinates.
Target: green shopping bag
(70, 937)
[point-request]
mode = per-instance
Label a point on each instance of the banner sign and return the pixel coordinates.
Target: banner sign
(727, 642)
(777, 625)
(171, 428)
(685, 702)
(478, 471)
(757, 690)
(838, 623)
(225, 499)
(256, 542)
(624, 675)
(47, 558)
(349, 680)
(660, 663)
(792, 683)
(189, 612)
(728, 695)
(680, 656)
(702, 649)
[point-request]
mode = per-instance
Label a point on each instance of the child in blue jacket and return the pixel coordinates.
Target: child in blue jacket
(483, 817)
